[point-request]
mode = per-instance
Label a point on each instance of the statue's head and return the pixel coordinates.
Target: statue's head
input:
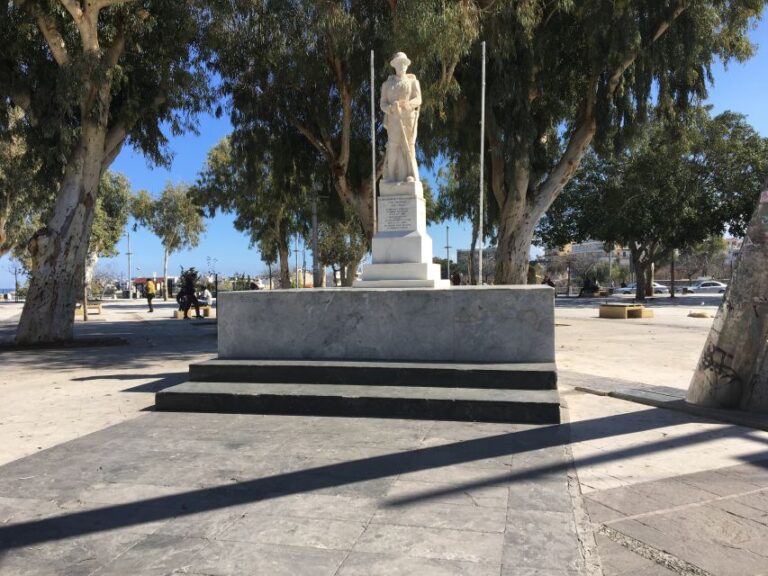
(400, 63)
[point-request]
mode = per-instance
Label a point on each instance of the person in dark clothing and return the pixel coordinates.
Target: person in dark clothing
(189, 299)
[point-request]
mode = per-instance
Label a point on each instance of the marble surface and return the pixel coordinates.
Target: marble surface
(463, 324)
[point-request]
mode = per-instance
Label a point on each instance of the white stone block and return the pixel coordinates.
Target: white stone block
(402, 214)
(413, 189)
(395, 247)
(464, 324)
(402, 271)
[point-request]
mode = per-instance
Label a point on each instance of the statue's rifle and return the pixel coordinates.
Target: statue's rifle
(407, 143)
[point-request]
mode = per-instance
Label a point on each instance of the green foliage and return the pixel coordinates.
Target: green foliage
(189, 276)
(340, 245)
(173, 217)
(151, 57)
(681, 184)
(264, 181)
(112, 210)
(23, 195)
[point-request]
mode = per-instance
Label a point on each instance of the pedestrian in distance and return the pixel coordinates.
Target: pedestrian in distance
(150, 291)
(190, 299)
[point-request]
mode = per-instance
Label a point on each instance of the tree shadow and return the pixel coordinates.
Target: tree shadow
(528, 447)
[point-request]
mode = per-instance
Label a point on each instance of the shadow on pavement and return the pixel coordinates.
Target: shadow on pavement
(524, 444)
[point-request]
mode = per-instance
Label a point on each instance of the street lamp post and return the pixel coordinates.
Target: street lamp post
(448, 252)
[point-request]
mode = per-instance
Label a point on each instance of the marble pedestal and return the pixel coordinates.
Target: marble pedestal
(401, 248)
(483, 354)
(489, 324)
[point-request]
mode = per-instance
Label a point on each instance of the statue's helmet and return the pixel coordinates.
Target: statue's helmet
(399, 57)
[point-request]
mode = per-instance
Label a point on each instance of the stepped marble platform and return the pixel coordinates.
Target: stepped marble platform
(473, 354)
(486, 393)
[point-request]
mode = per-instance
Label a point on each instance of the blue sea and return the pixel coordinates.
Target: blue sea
(6, 290)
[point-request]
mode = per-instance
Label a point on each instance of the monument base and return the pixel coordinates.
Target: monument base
(441, 284)
(470, 353)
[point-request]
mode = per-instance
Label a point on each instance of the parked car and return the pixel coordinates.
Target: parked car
(628, 289)
(632, 288)
(705, 287)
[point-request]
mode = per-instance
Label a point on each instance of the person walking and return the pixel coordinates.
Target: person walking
(150, 290)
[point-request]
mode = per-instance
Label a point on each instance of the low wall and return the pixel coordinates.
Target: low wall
(499, 324)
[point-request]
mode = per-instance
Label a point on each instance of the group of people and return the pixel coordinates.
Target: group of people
(186, 298)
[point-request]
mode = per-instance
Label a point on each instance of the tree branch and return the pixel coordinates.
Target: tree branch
(99, 4)
(116, 49)
(661, 29)
(74, 9)
(53, 37)
(578, 142)
(22, 98)
(346, 117)
(320, 146)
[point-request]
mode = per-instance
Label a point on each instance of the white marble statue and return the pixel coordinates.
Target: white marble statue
(400, 101)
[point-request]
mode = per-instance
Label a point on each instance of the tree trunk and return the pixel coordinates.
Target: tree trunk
(513, 250)
(59, 250)
(649, 279)
(284, 257)
(90, 267)
(638, 263)
(4, 248)
(165, 275)
(733, 368)
(349, 272)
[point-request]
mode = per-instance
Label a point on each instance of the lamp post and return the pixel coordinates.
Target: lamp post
(130, 281)
(448, 252)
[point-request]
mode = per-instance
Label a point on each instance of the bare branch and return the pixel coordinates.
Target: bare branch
(74, 9)
(115, 50)
(99, 4)
(346, 118)
(50, 30)
(314, 140)
(569, 162)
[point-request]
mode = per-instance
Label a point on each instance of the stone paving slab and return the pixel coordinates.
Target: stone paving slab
(407, 500)
(671, 399)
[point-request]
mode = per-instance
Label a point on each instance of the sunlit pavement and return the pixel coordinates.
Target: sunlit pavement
(96, 484)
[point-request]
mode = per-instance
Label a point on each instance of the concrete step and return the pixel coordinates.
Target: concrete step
(539, 376)
(415, 402)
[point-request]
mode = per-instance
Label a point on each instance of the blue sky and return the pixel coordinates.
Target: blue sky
(739, 87)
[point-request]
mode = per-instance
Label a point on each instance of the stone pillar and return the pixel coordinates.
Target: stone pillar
(402, 249)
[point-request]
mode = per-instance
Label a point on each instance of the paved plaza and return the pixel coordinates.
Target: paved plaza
(93, 481)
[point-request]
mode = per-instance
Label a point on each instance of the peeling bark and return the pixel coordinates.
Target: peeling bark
(59, 250)
(733, 369)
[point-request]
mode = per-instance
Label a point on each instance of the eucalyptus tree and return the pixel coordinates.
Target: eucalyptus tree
(173, 218)
(112, 210)
(563, 74)
(90, 76)
(23, 194)
(674, 188)
(307, 64)
(265, 181)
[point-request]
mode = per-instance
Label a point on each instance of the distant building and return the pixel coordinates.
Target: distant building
(619, 256)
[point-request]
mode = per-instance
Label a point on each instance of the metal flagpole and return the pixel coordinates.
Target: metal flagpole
(482, 166)
(373, 146)
(129, 253)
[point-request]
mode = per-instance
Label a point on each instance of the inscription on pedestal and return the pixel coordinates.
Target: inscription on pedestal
(397, 213)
